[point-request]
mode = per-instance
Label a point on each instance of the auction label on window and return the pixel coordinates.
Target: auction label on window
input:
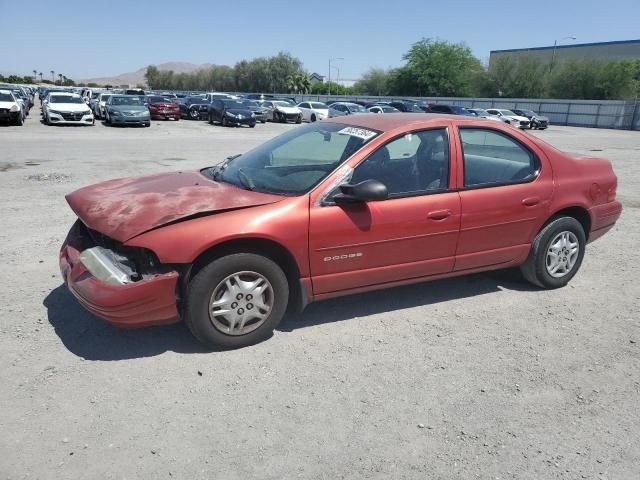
(362, 133)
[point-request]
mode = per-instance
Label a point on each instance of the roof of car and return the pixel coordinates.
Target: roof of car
(390, 122)
(5, 91)
(68, 94)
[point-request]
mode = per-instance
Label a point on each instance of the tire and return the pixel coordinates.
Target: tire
(20, 120)
(263, 121)
(223, 121)
(210, 119)
(107, 118)
(253, 125)
(535, 269)
(212, 280)
(299, 119)
(313, 117)
(147, 125)
(194, 114)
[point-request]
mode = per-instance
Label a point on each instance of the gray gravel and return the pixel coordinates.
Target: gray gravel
(478, 377)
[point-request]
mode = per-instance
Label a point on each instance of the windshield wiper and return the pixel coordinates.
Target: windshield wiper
(246, 181)
(218, 169)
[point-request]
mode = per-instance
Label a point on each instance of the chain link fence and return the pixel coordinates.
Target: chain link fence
(618, 114)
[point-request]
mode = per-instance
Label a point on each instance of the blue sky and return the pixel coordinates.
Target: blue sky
(84, 39)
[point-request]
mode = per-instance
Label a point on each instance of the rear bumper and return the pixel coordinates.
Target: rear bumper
(151, 301)
(603, 218)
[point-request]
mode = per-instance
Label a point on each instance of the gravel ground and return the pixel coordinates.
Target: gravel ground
(477, 377)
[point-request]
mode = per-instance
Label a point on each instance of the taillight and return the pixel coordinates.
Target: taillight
(611, 194)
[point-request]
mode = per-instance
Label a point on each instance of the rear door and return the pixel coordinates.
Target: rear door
(507, 184)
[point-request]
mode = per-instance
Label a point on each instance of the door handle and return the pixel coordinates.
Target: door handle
(439, 214)
(531, 201)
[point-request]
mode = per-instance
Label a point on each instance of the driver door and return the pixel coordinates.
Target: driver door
(410, 235)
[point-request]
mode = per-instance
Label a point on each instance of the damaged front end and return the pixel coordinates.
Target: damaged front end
(127, 286)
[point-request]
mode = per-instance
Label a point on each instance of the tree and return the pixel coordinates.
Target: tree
(375, 81)
(592, 79)
(53, 76)
(40, 76)
(437, 68)
(152, 77)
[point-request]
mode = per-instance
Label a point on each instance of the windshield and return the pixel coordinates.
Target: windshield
(508, 112)
(413, 108)
(95, 94)
(319, 106)
(197, 100)
(65, 99)
(6, 97)
(127, 101)
(104, 98)
(250, 104)
(530, 113)
(158, 100)
(387, 109)
(283, 103)
(295, 162)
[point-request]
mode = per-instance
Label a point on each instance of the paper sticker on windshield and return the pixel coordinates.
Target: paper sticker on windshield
(362, 133)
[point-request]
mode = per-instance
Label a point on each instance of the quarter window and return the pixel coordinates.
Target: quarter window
(494, 158)
(415, 163)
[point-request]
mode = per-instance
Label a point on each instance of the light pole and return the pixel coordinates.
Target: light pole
(555, 45)
(329, 83)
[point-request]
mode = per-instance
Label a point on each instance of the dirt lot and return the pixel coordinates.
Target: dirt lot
(479, 377)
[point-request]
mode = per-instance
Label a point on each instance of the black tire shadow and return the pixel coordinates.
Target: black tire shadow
(92, 338)
(400, 298)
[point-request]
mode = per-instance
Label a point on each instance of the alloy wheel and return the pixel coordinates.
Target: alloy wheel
(241, 303)
(562, 254)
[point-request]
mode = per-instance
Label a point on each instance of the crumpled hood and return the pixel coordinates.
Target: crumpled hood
(124, 208)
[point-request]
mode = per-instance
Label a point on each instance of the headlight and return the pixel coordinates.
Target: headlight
(232, 115)
(115, 113)
(15, 108)
(87, 112)
(55, 112)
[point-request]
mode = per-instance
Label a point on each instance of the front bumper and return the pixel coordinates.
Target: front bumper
(127, 120)
(8, 115)
(71, 118)
(165, 114)
(150, 301)
(240, 121)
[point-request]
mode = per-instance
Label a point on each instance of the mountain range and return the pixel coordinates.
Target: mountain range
(137, 77)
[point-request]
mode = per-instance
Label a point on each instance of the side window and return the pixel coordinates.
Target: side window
(494, 158)
(304, 105)
(415, 163)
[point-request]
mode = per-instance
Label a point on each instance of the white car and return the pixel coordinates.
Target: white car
(481, 113)
(98, 105)
(509, 117)
(67, 108)
(312, 111)
(282, 111)
(10, 109)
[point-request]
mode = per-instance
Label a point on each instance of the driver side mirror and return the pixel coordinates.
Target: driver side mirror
(365, 191)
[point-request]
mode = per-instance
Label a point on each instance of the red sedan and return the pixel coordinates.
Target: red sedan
(161, 108)
(347, 205)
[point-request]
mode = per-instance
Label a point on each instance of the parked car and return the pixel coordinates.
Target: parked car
(161, 108)
(127, 110)
(194, 108)
(282, 111)
(134, 91)
(406, 106)
(340, 109)
(539, 122)
(229, 249)
(10, 109)
(99, 104)
(67, 108)
(510, 117)
(449, 109)
(260, 113)
(231, 112)
(382, 108)
(23, 98)
(479, 112)
(313, 111)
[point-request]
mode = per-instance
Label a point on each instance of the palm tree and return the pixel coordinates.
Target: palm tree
(60, 78)
(53, 75)
(35, 74)
(305, 83)
(40, 76)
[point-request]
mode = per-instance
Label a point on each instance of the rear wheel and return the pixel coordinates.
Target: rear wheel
(313, 117)
(299, 119)
(556, 253)
(223, 122)
(236, 301)
(194, 113)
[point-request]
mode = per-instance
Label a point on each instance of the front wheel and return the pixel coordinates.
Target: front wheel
(299, 119)
(236, 301)
(556, 253)
(313, 117)
(194, 114)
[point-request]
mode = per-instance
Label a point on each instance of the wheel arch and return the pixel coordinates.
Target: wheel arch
(580, 213)
(259, 246)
